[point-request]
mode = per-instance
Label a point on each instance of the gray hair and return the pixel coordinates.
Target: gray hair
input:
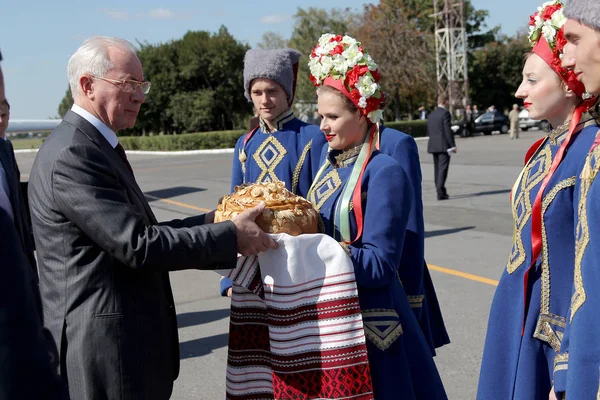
(92, 58)
(586, 12)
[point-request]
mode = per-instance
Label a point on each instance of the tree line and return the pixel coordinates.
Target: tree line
(197, 82)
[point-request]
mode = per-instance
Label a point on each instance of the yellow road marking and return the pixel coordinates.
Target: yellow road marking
(448, 271)
(464, 275)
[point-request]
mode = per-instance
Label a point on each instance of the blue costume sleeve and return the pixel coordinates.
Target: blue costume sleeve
(376, 256)
(237, 177)
(224, 285)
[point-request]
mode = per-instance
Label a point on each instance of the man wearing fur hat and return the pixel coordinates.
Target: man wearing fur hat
(577, 371)
(282, 147)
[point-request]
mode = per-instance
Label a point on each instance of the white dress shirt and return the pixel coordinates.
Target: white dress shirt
(108, 133)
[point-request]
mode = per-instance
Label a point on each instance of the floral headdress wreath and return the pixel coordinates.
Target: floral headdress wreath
(546, 35)
(341, 62)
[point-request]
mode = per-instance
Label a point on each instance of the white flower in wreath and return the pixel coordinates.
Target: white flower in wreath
(371, 63)
(375, 116)
(362, 103)
(366, 86)
(329, 46)
(325, 38)
(349, 41)
(549, 33)
(558, 19)
(546, 4)
(340, 64)
(353, 55)
(320, 51)
(326, 64)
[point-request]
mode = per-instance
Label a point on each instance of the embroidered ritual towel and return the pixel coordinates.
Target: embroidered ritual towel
(296, 331)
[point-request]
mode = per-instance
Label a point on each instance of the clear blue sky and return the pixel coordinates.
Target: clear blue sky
(37, 37)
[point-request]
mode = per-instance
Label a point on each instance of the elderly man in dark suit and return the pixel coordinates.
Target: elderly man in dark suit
(441, 144)
(103, 257)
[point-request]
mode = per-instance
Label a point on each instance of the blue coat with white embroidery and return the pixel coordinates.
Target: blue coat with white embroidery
(290, 154)
(578, 371)
(516, 365)
(413, 270)
(400, 360)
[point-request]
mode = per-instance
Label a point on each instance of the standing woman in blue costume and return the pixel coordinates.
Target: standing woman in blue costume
(413, 271)
(364, 198)
(530, 308)
(282, 147)
(579, 377)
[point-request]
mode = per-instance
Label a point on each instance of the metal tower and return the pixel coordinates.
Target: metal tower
(451, 52)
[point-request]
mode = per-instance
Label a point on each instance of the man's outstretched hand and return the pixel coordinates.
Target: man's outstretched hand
(250, 238)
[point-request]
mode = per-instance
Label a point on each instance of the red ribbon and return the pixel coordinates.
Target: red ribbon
(536, 213)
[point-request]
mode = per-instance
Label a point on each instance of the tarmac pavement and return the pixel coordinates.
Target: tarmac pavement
(467, 244)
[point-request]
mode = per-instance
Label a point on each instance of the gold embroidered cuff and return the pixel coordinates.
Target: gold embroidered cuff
(416, 301)
(561, 362)
(546, 330)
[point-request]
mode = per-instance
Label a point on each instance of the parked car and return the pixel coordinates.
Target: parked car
(525, 122)
(491, 121)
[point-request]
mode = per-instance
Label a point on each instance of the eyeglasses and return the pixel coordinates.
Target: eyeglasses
(126, 85)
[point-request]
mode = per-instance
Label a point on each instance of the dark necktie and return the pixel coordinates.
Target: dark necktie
(121, 152)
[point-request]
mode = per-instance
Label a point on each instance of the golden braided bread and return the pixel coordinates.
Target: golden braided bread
(284, 212)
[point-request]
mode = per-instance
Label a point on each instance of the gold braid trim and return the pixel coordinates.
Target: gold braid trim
(416, 301)
(588, 174)
(561, 362)
(382, 339)
(299, 165)
(545, 332)
(545, 283)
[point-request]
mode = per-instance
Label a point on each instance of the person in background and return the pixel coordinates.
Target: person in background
(513, 117)
(440, 144)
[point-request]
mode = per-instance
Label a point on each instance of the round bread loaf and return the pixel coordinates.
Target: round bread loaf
(284, 212)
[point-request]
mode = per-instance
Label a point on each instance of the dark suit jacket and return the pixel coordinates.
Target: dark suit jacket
(439, 130)
(26, 370)
(18, 200)
(104, 263)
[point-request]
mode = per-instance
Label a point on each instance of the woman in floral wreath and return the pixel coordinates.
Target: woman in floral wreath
(523, 348)
(364, 198)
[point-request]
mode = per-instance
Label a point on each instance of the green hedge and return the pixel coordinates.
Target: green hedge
(417, 128)
(188, 141)
(227, 139)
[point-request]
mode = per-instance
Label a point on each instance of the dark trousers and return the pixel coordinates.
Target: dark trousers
(441, 162)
